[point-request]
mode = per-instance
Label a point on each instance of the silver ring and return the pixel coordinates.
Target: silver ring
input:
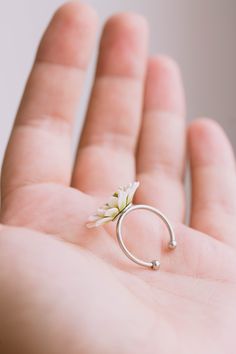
(119, 206)
(155, 264)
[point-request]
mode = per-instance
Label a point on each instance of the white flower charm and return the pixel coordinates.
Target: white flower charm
(118, 202)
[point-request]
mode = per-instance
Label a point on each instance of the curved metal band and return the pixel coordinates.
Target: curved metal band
(172, 243)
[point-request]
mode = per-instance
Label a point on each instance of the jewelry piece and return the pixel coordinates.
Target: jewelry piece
(119, 206)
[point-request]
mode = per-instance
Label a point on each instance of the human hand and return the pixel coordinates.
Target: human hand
(67, 289)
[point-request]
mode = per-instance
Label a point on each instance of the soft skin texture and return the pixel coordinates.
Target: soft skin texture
(67, 289)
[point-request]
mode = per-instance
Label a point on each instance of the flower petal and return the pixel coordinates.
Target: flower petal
(111, 212)
(98, 222)
(103, 221)
(131, 192)
(90, 225)
(122, 197)
(113, 202)
(101, 212)
(93, 218)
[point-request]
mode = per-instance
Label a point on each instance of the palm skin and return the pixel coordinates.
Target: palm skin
(87, 298)
(68, 289)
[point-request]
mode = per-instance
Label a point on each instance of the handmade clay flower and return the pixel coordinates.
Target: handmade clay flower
(118, 202)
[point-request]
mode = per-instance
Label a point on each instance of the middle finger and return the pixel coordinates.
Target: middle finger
(106, 154)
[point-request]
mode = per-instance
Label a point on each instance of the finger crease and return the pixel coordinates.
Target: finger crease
(47, 62)
(47, 122)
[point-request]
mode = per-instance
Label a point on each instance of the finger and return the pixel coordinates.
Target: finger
(213, 180)
(106, 152)
(39, 147)
(161, 151)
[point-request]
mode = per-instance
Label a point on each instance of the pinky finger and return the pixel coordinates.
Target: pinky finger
(213, 180)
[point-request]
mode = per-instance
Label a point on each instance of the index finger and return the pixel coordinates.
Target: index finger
(39, 149)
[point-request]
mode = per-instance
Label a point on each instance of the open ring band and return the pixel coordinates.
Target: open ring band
(155, 264)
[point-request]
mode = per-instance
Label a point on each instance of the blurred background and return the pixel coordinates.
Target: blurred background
(199, 34)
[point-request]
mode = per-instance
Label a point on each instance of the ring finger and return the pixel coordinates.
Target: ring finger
(161, 152)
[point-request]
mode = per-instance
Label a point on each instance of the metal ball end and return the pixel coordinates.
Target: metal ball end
(155, 264)
(172, 245)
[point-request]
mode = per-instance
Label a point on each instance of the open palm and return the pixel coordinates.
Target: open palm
(67, 289)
